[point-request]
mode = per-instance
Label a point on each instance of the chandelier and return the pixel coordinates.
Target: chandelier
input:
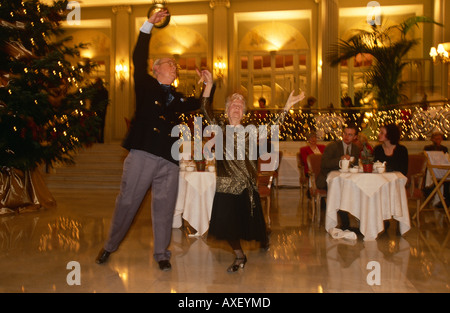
(440, 54)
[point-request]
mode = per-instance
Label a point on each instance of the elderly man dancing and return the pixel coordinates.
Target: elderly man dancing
(149, 162)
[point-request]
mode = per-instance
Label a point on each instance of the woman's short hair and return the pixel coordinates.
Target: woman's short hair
(235, 97)
(392, 133)
(437, 133)
(311, 134)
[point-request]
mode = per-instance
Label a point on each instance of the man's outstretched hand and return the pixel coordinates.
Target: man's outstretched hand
(158, 17)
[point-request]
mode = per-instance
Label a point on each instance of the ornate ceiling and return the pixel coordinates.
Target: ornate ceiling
(99, 3)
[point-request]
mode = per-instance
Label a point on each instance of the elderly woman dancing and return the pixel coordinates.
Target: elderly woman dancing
(237, 213)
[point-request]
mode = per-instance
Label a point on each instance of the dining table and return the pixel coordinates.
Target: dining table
(370, 197)
(196, 191)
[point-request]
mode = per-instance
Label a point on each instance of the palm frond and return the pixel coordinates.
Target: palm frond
(407, 24)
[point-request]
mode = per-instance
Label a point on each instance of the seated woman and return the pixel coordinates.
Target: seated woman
(311, 148)
(390, 150)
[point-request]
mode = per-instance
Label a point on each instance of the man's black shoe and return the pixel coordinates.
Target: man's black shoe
(164, 265)
(102, 257)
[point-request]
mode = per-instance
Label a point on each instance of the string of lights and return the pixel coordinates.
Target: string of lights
(415, 123)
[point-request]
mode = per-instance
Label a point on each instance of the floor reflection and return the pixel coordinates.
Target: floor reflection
(36, 247)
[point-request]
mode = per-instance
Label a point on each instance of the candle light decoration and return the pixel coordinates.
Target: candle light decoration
(415, 123)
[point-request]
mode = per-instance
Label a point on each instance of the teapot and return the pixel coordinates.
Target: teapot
(378, 164)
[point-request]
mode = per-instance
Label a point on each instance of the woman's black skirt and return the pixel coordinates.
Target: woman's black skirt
(232, 217)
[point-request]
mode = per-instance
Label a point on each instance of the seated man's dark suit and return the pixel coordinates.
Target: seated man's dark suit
(330, 161)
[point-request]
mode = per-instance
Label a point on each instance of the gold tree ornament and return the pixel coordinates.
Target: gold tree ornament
(155, 8)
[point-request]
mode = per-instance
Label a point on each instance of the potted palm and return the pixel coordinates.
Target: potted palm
(388, 47)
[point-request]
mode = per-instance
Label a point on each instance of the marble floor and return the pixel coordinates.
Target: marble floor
(36, 250)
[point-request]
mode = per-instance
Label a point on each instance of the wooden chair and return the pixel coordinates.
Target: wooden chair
(265, 181)
(440, 165)
(417, 166)
(303, 180)
(128, 123)
(314, 161)
(275, 171)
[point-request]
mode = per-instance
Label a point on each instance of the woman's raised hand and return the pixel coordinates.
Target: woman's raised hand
(205, 77)
(293, 100)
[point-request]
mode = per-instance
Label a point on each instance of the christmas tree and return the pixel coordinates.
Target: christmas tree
(44, 90)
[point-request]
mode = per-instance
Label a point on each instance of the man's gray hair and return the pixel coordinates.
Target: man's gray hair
(156, 63)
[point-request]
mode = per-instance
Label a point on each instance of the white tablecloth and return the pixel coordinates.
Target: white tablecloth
(369, 197)
(288, 174)
(194, 202)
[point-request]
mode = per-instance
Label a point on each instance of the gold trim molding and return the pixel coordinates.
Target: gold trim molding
(219, 3)
(121, 8)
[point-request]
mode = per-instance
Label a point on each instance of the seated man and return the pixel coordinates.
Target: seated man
(333, 153)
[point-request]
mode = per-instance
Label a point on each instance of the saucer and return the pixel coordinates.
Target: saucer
(343, 171)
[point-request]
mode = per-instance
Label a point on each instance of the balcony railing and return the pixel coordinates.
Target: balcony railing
(417, 120)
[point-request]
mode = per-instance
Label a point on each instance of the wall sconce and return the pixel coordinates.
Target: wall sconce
(219, 69)
(122, 73)
(440, 54)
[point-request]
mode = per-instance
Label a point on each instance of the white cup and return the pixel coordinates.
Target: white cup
(344, 164)
(211, 168)
(381, 169)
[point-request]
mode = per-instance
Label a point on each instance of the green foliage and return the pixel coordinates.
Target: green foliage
(43, 95)
(388, 46)
(366, 155)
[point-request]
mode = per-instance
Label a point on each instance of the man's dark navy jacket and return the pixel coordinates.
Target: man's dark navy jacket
(151, 126)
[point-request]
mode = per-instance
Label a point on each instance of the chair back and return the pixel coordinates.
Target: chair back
(265, 184)
(314, 161)
(301, 170)
(128, 123)
(266, 160)
(417, 165)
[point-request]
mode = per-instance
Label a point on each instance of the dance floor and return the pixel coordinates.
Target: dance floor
(53, 251)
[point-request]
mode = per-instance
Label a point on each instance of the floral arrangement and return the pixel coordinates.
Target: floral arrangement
(366, 155)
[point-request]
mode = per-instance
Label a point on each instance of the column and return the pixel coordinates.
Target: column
(123, 108)
(220, 45)
(328, 76)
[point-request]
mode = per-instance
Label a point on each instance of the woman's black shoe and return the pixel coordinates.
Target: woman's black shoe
(237, 264)
(265, 245)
